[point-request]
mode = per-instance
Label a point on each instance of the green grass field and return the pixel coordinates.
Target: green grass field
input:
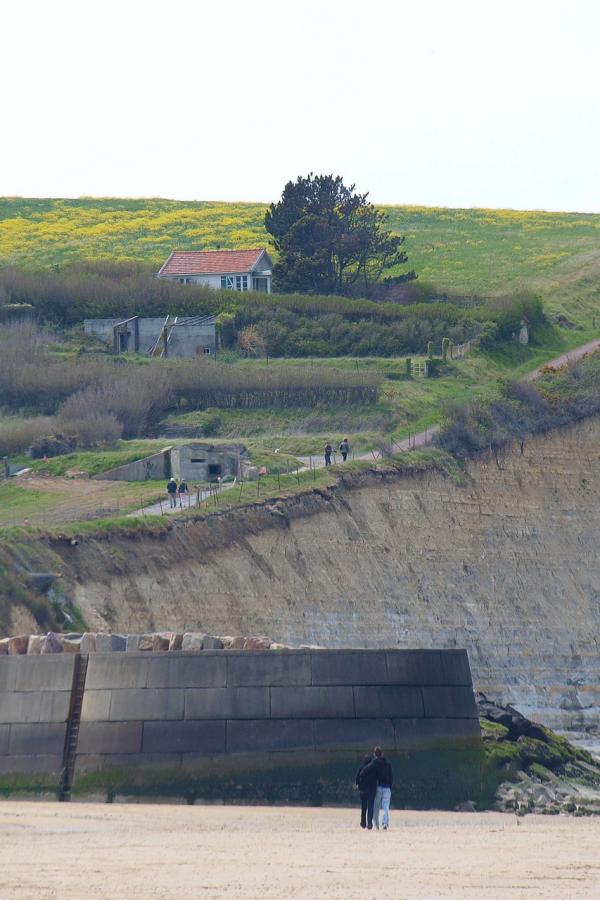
(469, 252)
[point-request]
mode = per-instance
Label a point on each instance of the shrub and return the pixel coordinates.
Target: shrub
(17, 435)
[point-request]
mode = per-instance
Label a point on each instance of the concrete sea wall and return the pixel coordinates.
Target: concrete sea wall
(257, 725)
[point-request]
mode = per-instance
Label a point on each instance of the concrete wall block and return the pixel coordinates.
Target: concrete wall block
(55, 706)
(96, 706)
(414, 667)
(8, 673)
(127, 761)
(30, 765)
(201, 738)
(20, 707)
(44, 673)
(413, 734)
(267, 735)
(312, 702)
(455, 667)
(116, 671)
(340, 734)
(148, 703)
(349, 667)
(227, 703)
(110, 737)
(110, 643)
(37, 740)
(205, 669)
(4, 735)
(268, 668)
(388, 701)
(449, 702)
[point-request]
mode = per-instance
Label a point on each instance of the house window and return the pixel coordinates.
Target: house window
(234, 282)
(261, 284)
(206, 350)
(184, 281)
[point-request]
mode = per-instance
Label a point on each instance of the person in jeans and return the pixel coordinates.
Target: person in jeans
(328, 452)
(385, 779)
(172, 492)
(367, 788)
(345, 449)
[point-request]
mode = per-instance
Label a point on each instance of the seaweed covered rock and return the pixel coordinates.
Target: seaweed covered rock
(529, 768)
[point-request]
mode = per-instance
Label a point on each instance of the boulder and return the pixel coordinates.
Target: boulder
(192, 640)
(212, 643)
(253, 642)
(227, 641)
(146, 642)
(4, 646)
(52, 644)
(17, 645)
(257, 642)
(160, 642)
(175, 642)
(35, 644)
(276, 646)
(88, 642)
(107, 643)
(132, 642)
(70, 645)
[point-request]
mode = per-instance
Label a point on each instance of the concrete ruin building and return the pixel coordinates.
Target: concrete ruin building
(197, 461)
(179, 337)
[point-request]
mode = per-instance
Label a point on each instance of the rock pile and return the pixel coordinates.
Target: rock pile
(164, 641)
(536, 770)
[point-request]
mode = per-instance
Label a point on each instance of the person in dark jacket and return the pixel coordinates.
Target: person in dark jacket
(172, 492)
(381, 769)
(328, 451)
(367, 788)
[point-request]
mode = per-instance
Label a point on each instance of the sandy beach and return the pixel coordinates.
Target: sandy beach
(77, 850)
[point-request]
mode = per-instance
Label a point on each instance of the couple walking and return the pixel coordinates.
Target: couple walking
(175, 490)
(344, 450)
(374, 781)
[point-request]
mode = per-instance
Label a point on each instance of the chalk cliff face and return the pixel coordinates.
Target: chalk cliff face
(505, 563)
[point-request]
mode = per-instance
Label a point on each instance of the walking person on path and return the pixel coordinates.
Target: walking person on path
(385, 779)
(182, 491)
(172, 492)
(328, 452)
(345, 449)
(367, 788)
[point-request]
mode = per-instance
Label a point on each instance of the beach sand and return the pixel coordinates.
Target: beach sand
(79, 850)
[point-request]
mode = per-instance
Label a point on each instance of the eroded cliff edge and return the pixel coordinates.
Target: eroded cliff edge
(504, 563)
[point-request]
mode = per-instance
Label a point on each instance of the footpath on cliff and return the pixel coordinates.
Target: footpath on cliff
(412, 442)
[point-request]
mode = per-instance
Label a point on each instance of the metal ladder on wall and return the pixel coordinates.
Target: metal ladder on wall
(72, 732)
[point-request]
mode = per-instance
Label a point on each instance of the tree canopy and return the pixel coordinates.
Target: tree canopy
(330, 239)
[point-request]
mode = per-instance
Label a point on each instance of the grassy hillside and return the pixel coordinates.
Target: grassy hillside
(460, 251)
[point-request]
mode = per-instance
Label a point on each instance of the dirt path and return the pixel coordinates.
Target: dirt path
(564, 358)
(54, 851)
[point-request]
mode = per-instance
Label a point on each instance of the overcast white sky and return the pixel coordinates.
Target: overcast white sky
(435, 102)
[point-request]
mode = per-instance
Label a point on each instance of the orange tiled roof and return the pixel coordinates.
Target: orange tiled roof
(211, 262)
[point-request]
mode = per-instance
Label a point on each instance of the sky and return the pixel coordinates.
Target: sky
(454, 103)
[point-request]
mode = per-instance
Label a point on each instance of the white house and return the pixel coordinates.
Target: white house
(234, 270)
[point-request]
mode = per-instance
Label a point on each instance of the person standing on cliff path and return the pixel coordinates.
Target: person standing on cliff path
(182, 490)
(380, 767)
(367, 788)
(345, 449)
(172, 492)
(328, 452)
